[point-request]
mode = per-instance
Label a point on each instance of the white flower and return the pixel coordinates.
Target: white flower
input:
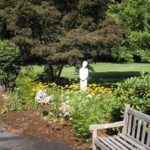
(70, 118)
(66, 114)
(65, 109)
(42, 98)
(89, 96)
(47, 99)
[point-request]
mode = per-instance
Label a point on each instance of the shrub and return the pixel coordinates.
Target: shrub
(27, 87)
(134, 91)
(9, 63)
(87, 110)
(24, 94)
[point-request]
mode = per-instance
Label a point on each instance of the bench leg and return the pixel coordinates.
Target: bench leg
(94, 135)
(94, 147)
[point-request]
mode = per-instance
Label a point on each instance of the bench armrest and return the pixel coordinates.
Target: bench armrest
(96, 127)
(106, 126)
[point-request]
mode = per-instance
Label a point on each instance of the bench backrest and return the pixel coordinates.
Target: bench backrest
(137, 126)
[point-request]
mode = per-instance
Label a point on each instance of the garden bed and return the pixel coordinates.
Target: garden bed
(30, 123)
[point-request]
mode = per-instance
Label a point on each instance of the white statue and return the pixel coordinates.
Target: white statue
(83, 73)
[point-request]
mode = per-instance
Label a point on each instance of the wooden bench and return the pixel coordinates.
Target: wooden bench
(135, 134)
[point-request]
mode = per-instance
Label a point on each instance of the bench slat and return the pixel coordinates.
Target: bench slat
(148, 136)
(125, 143)
(105, 143)
(134, 126)
(129, 125)
(111, 143)
(140, 143)
(100, 144)
(134, 143)
(144, 132)
(120, 145)
(138, 130)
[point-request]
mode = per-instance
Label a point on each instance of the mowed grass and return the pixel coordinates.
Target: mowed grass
(109, 72)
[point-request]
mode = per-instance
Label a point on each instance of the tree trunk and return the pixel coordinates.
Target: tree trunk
(60, 70)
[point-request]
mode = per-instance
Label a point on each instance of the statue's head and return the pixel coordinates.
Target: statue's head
(84, 64)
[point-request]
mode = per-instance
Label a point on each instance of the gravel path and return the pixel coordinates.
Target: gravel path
(11, 141)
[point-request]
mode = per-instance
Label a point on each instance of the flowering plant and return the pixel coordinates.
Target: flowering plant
(65, 109)
(42, 98)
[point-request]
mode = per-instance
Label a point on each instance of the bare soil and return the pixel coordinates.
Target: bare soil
(30, 123)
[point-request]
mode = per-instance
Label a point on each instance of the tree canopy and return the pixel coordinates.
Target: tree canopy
(58, 32)
(135, 17)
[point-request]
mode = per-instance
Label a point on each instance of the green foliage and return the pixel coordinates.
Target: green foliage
(134, 16)
(12, 103)
(58, 32)
(140, 41)
(134, 91)
(86, 7)
(9, 63)
(122, 53)
(26, 87)
(24, 94)
(82, 108)
(70, 20)
(78, 44)
(86, 110)
(56, 103)
(30, 24)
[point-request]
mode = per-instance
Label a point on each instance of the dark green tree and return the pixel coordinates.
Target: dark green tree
(29, 23)
(58, 32)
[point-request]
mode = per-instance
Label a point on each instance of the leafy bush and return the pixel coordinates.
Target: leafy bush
(87, 110)
(9, 63)
(134, 91)
(27, 87)
(24, 94)
(84, 109)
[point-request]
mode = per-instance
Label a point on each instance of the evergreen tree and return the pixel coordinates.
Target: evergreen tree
(58, 32)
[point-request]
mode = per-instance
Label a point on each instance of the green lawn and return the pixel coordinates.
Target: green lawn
(106, 73)
(109, 72)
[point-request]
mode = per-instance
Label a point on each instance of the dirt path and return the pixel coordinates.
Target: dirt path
(31, 124)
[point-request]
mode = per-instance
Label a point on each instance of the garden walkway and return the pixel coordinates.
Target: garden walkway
(12, 141)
